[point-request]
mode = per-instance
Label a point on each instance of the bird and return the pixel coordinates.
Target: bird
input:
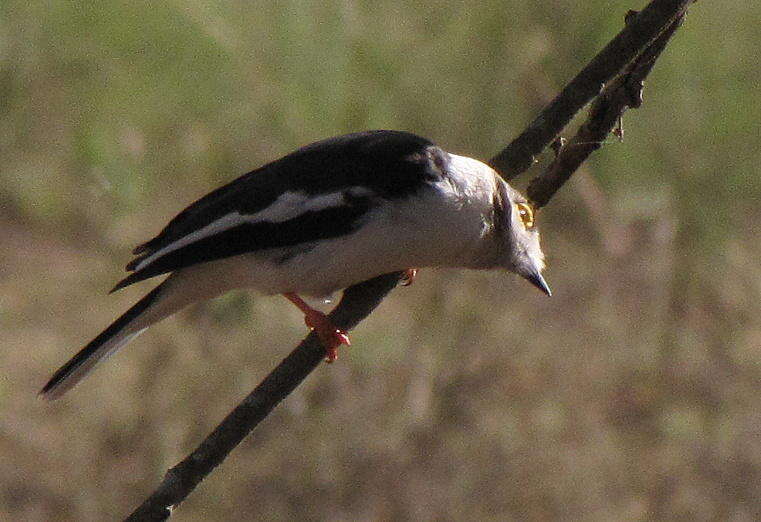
(327, 216)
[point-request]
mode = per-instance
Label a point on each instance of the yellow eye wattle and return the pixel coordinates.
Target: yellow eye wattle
(526, 214)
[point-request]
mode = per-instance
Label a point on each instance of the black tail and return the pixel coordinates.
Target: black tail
(110, 340)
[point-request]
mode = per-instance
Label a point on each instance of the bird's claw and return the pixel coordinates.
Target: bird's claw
(409, 276)
(331, 336)
(332, 340)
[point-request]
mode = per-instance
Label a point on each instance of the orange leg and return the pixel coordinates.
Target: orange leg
(409, 276)
(331, 336)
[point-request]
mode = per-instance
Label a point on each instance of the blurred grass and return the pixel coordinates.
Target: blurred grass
(631, 395)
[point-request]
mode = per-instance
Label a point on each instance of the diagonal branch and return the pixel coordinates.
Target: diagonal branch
(625, 91)
(518, 156)
(638, 44)
(357, 303)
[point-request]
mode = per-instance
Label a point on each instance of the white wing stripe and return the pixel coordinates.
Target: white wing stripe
(288, 206)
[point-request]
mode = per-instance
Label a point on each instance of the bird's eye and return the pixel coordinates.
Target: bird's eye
(527, 215)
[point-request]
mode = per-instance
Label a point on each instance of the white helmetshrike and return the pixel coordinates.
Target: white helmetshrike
(325, 217)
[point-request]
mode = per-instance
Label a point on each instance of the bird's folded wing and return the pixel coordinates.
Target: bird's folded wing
(319, 192)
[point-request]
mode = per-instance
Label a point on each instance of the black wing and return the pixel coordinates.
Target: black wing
(365, 168)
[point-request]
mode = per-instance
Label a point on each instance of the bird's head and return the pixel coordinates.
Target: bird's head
(516, 223)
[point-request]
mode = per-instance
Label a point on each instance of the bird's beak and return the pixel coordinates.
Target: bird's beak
(538, 281)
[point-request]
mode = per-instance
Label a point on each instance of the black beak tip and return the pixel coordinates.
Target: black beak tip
(538, 281)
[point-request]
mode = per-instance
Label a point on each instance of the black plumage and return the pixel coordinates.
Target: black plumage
(83, 360)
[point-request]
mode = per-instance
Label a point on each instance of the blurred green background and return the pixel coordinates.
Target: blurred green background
(632, 394)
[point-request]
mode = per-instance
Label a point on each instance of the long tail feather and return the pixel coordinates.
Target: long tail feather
(122, 331)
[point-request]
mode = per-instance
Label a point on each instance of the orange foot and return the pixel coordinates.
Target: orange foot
(409, 276)
(331, 336)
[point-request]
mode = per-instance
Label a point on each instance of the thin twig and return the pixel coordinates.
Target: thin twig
(518, 156)
(625, 91)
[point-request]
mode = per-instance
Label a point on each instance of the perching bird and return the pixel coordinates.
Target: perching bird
(327, 216)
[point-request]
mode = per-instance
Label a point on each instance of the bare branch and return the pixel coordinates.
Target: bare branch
(357, 303)
(605, 115)
(518, 156)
